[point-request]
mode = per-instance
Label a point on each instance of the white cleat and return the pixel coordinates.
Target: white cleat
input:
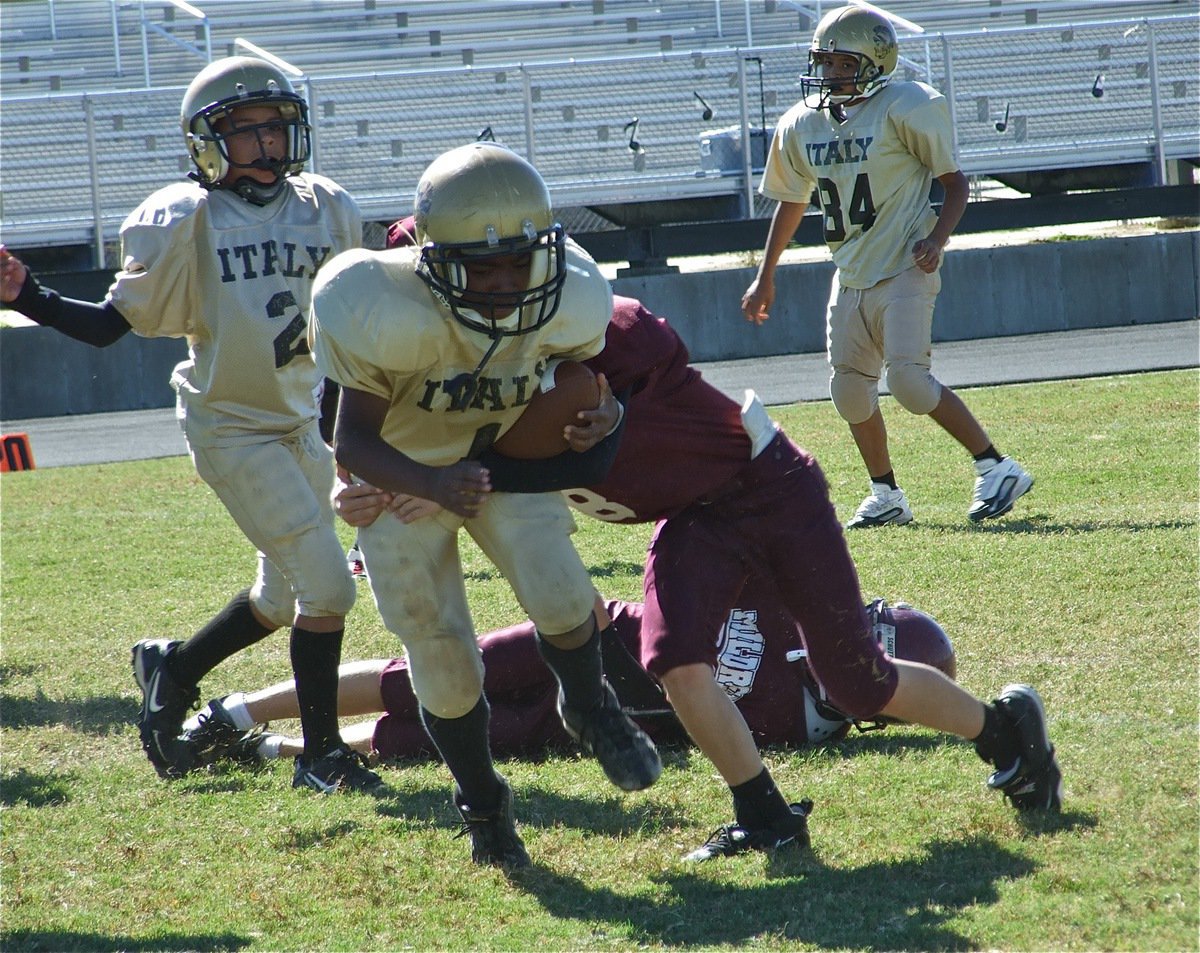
(997, 487)
(884, 507)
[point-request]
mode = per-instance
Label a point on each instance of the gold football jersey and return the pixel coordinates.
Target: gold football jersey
(236, 280)
(376, 327)
(871, 174)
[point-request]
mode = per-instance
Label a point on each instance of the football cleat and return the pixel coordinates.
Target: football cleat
(997, 487)
(884, 507)
(215, 737)
(165, 704)
(1033, 781)
(354, 562)
(494, 838)
(341, 769)
(730, 839)
(625, 752)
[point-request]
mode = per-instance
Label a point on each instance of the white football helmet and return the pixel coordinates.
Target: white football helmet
(224, 85)
(483, 201)
(857, 32)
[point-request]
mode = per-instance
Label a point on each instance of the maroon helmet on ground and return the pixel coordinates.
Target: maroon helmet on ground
(908, 633)
(905, 633)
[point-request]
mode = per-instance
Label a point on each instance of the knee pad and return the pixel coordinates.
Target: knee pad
(275, 604)
(855, 397)
(914, 387)
(446, 674)
(335, 596)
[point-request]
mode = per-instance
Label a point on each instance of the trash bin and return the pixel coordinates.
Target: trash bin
(721, 150)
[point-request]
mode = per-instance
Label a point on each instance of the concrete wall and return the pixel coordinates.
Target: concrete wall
(1022, 289)
(986, 292)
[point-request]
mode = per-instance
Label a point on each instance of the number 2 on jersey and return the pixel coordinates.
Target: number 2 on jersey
(292, 341)
(861, 211)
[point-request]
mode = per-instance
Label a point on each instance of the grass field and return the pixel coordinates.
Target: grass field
(1088, 591)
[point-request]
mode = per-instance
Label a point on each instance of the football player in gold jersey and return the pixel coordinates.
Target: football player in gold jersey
(227, 261)
(870, 146)
(436, 349)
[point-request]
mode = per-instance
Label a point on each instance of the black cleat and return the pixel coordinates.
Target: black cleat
(1033, 781)
(494, 838)
(624, 751)
(341, 769)
(731, 839)
(215, 737)
(165, 704)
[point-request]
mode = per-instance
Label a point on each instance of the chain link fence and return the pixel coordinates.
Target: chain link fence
(628, 140)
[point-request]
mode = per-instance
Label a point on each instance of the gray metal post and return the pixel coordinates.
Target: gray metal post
(116, 36)
(1160, 148)
(310, 96)
(747, 143)
(527, 91)
(145, 48)
(948, 92)
(94, 181)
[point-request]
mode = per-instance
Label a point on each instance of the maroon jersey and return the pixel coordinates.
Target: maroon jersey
(753, 668)
(724, 518)
(683, 438)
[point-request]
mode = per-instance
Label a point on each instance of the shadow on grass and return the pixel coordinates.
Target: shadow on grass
(98, 715)
(535, 807)
(34, 790)
(1041, 526)
(612, 569)
(899, 905)
(54, 940)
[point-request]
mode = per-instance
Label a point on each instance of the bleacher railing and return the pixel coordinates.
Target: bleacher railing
(616, 132)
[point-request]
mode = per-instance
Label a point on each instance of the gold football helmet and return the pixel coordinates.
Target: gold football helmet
(224, 85)
(853, 31)
(482, 201)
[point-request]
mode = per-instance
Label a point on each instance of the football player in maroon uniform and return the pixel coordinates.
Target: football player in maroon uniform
(776, 693)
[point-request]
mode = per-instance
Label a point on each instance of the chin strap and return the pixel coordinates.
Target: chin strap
(462, 388)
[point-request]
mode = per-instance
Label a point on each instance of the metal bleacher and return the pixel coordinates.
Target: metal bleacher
(609, 98)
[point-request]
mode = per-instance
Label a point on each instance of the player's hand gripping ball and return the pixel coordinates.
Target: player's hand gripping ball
(538, 432)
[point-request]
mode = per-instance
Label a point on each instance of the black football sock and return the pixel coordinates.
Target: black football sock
(991, 453)
(757, 803)
(228, 632)
(889, 478)
(580, 672)
(997, 743)
(315, 658)
(463, 744)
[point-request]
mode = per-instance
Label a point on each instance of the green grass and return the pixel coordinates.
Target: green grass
(1089, 591)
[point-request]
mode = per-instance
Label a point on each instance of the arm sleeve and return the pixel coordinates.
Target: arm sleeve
(97, 324)
(330, 392)
(563, 472)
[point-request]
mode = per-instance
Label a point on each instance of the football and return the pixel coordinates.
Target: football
(538, 432)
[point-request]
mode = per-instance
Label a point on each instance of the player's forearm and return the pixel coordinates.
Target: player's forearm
(958, 190)
(97, 324)
(784, 223)
(373, 460)
(566, 471)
